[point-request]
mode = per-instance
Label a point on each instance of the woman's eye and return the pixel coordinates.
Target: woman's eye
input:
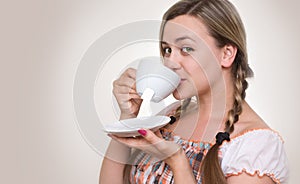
(187, 49)
(167, 50)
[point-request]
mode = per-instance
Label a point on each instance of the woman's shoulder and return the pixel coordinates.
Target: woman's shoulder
(252, 127)
(262, 136)
(252, 135)
(249, 120)
(250, 123)
(256, 151)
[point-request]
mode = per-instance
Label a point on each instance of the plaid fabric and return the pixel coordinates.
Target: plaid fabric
(148, 170)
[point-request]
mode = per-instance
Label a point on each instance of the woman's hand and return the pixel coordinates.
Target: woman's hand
(151, 143)
(170, 152)
(125, 92)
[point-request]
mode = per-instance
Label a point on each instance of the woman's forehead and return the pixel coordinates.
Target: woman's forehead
(184, 27)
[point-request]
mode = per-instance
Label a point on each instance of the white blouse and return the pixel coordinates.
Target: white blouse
(255, 152)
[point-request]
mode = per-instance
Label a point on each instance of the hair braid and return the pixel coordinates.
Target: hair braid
(240, 86)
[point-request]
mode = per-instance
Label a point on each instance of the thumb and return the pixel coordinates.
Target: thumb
(165, 148)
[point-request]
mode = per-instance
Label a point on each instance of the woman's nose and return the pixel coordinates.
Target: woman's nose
(172, 62)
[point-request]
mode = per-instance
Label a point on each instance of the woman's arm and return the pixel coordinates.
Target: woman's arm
(129, 103)
(113, 163)
(181, 168)
(117, 155)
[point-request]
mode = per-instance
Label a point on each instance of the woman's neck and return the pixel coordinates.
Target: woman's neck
(213, 109)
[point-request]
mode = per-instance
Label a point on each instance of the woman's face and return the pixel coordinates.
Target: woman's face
(191, 52)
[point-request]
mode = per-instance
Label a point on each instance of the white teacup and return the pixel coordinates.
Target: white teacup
(152, 74)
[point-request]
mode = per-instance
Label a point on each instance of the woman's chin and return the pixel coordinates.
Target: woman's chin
(179, 96)
(184, 90)
(176, 95)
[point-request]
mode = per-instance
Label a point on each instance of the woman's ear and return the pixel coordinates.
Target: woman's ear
(228, 55)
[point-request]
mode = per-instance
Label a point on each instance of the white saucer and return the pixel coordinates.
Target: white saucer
(130, 127)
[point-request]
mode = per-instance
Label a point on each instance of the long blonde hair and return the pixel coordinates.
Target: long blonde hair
(225, 25)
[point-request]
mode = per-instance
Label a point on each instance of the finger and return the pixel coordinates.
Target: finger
(123, 140)
(158, 134)
(133, 142)
(130, 72)
(128, 97)
(124, 81)
(123, 90)
(149, 136)
(164, 148)
(137, 102)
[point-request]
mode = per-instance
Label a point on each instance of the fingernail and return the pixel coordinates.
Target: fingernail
(142, 132)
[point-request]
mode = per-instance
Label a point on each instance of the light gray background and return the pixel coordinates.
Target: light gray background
(42, 43)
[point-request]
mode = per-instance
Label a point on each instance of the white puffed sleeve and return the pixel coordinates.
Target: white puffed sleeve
(255, 152)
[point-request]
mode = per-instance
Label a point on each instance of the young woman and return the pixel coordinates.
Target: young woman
(219, 139)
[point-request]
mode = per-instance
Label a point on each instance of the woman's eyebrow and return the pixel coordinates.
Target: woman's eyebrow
(184, 38)
(180, 39)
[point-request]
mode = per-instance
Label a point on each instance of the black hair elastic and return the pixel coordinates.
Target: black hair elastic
(173, 120)
(221, 136)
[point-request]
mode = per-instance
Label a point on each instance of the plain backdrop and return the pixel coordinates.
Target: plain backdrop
(42, 43)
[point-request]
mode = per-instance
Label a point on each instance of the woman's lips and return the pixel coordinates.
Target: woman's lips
(182, 80)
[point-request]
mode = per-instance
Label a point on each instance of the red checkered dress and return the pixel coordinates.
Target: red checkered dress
(148, 170)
